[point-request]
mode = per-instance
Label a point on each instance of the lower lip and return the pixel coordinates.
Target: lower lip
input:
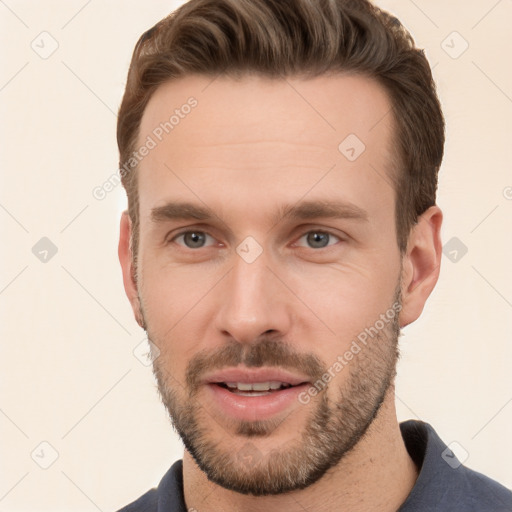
(252, 408)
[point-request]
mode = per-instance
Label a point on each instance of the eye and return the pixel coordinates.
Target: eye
(318, 239)
(193, 239)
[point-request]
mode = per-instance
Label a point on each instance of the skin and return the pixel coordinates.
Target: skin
(249, 147)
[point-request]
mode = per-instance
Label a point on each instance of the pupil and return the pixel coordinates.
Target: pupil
(317, 239)
(194, 239)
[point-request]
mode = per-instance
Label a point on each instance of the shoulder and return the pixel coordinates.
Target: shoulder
(444, 483)
(146, 503)
(483, 493)
(166, 497)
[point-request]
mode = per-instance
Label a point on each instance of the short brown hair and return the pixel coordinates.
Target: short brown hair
(300, 38)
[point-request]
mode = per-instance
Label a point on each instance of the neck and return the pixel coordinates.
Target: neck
(376, 475)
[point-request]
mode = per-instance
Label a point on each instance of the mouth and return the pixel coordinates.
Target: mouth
(256, 388)
(254, 394)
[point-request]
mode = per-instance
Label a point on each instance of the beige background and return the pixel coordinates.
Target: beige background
(69, 374)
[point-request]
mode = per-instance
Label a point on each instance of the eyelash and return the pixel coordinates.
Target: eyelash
(319, 231)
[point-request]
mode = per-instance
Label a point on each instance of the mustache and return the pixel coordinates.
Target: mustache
(263, 352)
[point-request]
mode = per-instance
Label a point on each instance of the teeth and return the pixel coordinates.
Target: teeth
(261, 386)
(257, 386)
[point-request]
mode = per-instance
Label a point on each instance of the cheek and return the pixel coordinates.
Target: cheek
(344, 301)
(175, 302)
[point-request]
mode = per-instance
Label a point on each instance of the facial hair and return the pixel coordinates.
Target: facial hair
(338, 417)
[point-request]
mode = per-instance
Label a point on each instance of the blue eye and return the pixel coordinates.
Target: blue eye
(315, 239)
(193, 239)
(319, 239)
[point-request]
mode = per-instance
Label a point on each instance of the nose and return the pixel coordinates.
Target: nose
(253, 302)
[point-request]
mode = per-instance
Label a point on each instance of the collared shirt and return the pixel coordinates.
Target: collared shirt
(443, 484)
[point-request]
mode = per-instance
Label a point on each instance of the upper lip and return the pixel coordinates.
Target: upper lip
(252, 375)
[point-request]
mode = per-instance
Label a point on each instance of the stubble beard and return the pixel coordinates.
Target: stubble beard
(334, 425)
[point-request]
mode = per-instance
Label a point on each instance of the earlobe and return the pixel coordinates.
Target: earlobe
(127, 267)
(421, 264)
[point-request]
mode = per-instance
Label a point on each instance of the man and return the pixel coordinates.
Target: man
(280, 160)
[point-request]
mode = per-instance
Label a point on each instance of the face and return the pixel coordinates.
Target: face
(269, 271)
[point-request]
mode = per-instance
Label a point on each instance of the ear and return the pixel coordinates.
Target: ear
(127, 266)
(421, 264)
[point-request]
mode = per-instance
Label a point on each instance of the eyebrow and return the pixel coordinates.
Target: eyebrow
(304, 210)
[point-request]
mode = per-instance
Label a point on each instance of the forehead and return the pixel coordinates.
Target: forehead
(319, 107)
(265, 134)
